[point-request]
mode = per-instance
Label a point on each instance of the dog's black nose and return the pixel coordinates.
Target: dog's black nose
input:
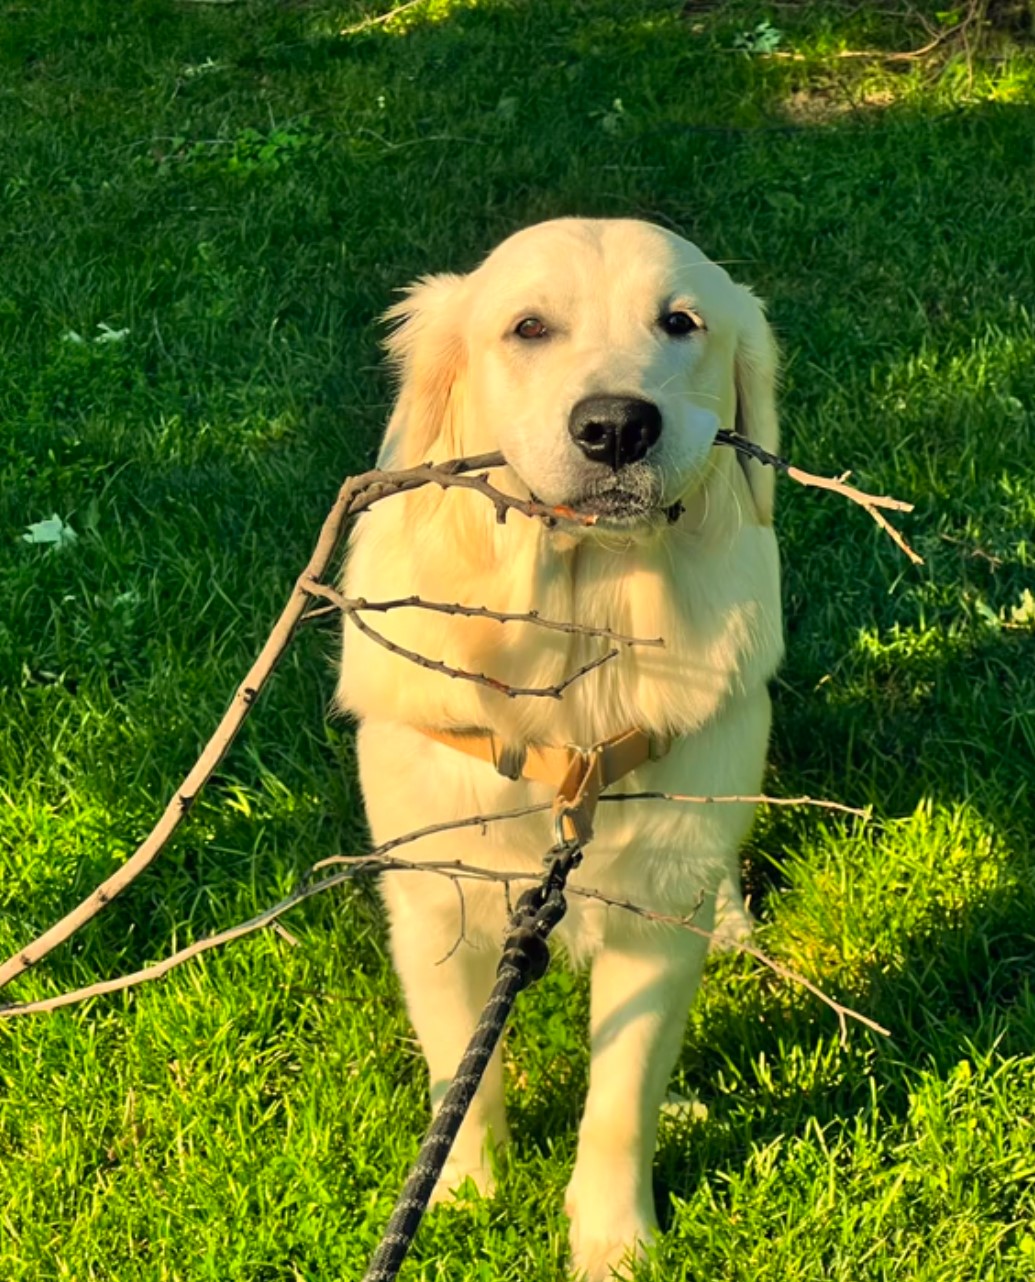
(615, 430)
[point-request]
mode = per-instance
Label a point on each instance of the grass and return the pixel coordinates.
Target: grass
(240, 189)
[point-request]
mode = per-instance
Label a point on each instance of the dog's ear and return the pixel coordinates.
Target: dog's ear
(755, 379)
(427, 350)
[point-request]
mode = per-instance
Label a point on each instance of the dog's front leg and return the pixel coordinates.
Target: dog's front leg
(642, 987)
(447, 982)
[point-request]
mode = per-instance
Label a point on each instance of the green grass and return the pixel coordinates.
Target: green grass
(241, 189)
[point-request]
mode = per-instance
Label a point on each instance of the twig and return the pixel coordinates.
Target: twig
(377, 485)
(876, 55)
(483, 821)
(158, 969)
(350, 606)
(973, 551)
(453, 869)
(785, 972)
(356, 495)
(461, 934)
(450, 825)
(884, 55)
(319, 612)
(759, 800)
(479, 678)
(872, 503)
(380, 18)
(268, 917)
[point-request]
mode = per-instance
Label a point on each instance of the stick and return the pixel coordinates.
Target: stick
(451, 825)
(874, 504)
(357, 494)
(479, 678)
(885, 55)
(871, 503)
(453, 869)
(759, 800)
(379, 18)
(377, 485)
(350, 606)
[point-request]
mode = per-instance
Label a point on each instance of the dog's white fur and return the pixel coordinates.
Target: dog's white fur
(708, 583)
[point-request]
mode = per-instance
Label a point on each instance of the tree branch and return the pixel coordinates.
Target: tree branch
(349, 606)
(891, 55)
(479, 678)
(356, 495)
(871, 503)
(455, 870)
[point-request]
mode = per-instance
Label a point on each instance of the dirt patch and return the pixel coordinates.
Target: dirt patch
(817, 105)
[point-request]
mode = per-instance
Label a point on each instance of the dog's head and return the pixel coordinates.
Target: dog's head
(600, 356)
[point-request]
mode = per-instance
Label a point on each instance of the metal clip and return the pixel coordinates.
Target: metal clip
(576, 800)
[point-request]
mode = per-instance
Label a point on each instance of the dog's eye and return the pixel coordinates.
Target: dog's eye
(530, 327)
(679, 324)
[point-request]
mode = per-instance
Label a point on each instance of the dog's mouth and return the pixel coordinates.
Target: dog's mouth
(619, 503)
(616, 508)
(624, 507)
(631, 501)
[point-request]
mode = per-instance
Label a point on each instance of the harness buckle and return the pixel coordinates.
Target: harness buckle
(576, 800)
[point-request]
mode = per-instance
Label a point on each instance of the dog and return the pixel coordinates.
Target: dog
(600, 357)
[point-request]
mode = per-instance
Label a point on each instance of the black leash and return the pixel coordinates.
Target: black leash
(525, 959)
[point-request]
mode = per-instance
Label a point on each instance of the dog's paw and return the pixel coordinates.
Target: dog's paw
(463, 1181)
(457, 1188)
(605, 1261)
(607, 1248)
(734, 925)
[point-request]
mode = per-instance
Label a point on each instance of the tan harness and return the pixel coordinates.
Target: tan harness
(577, 775)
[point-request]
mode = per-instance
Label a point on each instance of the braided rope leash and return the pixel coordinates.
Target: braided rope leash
(525, 959)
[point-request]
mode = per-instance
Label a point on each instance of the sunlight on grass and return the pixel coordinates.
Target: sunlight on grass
(398, 19)
(865, 902)
(206, 210)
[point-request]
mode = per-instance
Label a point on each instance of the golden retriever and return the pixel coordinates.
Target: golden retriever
(600, 356)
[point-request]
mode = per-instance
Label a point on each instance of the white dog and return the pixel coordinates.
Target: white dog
(600, 357)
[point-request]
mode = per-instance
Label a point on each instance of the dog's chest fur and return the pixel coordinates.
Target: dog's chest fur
(708, 587)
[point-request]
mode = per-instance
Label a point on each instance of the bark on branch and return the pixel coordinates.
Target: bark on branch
(379, 861)
(356, 495)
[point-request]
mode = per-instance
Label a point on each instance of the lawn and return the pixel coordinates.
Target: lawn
(206, 206)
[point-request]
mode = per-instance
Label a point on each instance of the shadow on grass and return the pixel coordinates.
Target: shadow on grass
(879, 230)
(953, 994)
(763, 1057)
